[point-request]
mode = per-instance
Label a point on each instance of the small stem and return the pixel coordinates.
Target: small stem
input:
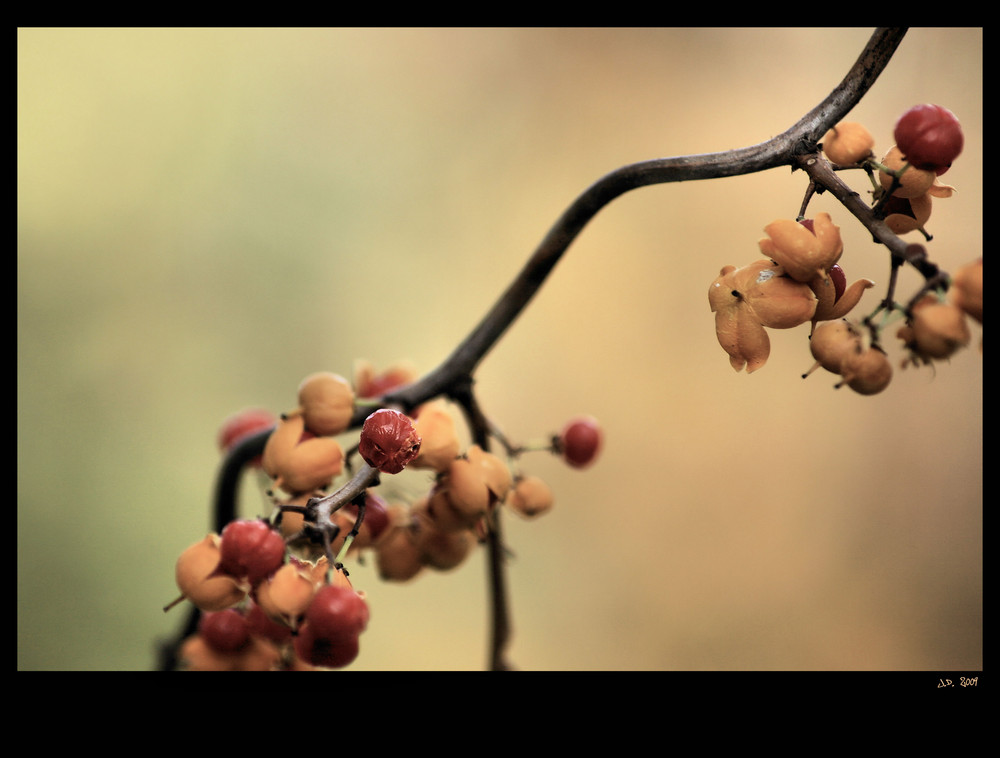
(810, 191)
(480, 428)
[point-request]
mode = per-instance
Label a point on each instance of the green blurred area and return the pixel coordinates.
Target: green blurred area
(205, 216)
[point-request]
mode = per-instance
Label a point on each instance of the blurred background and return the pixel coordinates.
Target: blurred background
(205, 216)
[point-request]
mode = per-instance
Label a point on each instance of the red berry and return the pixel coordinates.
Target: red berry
(317, 650)
(580, 441)
(337, 612)
(388, 441)
(224, 631)
(335, 618)
(250, 550)
(930, 137)
(262, 625)
(839, 279)
(241, 425)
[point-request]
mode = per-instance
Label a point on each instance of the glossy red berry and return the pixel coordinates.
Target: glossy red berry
(337, 612)
(250, 550)
(388, 441)
(839, 279)
(580, 441)
(224, 631)
(333, 622)
(930, 137)
(317, 650)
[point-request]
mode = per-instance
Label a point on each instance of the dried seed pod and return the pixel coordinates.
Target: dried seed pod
(258, 655)
(866, 369)
(834, 299)
(904, 215)
(397, 556)
(439, 444)
(285, 596)
(197, 579)
(300, 463)
(477, 481)
(939, 329)
(848, 143)
(326, 401)
(530, 497)
(804, 249)
(197, 655)
(967, 289)
(913, 182)
(446, 515)
(315, 464)
(281, 442)
(439, 548)
(747, 299)
(830, 343)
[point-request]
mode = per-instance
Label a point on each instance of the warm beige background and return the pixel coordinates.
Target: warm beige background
(205, 216)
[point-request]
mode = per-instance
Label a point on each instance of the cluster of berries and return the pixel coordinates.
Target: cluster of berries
(264, 609)
(935, 328)
(928, 140)
(800, 280)
(441, 526)
(271, 591)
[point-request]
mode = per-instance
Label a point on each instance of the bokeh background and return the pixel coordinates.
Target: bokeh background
(207, 215)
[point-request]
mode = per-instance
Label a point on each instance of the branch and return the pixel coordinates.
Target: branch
(823, 174)
(453, 377)
(781, 150)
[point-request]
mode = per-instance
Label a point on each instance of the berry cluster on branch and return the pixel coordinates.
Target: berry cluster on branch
(801, 280)
(274, 593)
